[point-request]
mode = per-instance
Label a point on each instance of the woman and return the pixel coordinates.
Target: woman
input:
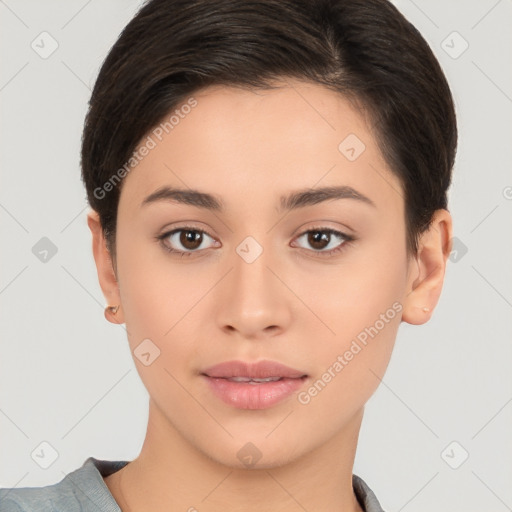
(268, 184)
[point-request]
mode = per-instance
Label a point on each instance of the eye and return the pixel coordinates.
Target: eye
(322, 238)
(192, 240)
(188, 237)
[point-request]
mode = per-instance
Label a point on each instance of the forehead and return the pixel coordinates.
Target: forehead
(233, 140)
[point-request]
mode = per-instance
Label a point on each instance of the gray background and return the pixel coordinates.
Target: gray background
(66, 375)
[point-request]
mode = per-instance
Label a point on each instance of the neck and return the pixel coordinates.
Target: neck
(170, 474)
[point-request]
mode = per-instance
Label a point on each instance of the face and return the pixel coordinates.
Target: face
(317, 283)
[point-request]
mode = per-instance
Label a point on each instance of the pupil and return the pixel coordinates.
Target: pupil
(189, 237)
(319, 236)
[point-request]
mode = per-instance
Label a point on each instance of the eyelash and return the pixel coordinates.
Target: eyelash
(347, 239)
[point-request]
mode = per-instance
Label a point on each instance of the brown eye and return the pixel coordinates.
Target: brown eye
(320, 239)
(185, 241)
(191, 239)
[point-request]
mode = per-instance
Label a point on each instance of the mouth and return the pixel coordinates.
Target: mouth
(260, 371)
(251, 380)
(253, 385)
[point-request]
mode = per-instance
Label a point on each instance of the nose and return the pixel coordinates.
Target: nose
(253, 300)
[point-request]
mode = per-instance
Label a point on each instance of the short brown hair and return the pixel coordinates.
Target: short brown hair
(364, 49)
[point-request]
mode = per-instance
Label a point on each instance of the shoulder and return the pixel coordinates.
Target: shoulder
(365, 495)
(7, 504)
(82, 490)
(28, 499)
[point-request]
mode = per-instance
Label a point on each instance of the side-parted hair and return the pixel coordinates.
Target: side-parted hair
(363, 49)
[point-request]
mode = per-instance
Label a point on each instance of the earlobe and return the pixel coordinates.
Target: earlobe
(426, 282)
(106, 275)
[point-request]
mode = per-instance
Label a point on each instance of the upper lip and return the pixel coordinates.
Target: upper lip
(257, 370)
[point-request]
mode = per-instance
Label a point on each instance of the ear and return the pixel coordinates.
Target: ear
(104, 266)
(427, 269)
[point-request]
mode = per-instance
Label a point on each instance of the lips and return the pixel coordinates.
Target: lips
(253, 371)
(252, 380)
(253, 385)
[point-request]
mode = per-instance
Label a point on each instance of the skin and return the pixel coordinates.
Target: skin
(291, 305)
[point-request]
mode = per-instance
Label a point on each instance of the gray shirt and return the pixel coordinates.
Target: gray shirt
(84, 490)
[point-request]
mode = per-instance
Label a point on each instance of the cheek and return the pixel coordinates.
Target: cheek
(161, 300)
(364, 314)
(360, 307)
(145, 291)
(351, 295)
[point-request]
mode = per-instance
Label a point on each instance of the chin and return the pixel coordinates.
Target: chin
(253, 456)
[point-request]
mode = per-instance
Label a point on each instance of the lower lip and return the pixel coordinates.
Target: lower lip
(243, 395)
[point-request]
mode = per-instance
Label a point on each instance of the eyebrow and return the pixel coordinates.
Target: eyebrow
(293, 201)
